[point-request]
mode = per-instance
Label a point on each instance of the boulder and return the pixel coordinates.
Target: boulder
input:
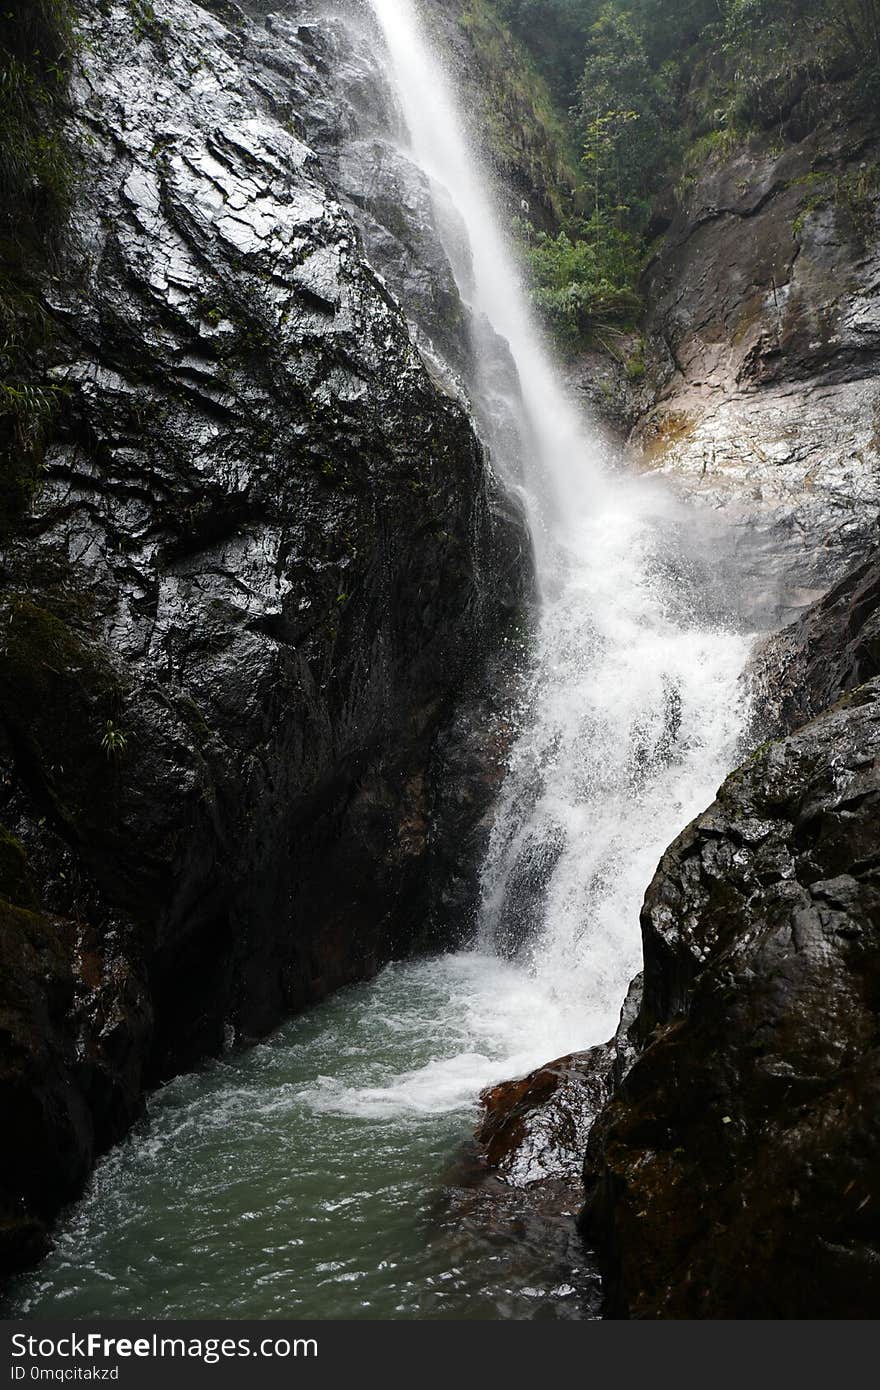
(734, 1172)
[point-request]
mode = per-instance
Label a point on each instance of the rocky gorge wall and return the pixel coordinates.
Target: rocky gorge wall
(249, 609)
(253, 621)
(763, 333)
(733, 1171)
(730, 1126)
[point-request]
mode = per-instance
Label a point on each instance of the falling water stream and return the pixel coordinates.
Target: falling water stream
(300, 1178)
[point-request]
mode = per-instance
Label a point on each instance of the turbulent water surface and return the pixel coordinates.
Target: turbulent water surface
(305, 1177)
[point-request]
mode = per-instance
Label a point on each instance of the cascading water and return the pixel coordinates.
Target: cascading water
(297, 1179)
(561, 472)
(633, 712)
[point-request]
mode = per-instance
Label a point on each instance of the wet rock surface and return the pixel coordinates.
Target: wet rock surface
(762, 342)
(734, 1173)
(249, 610)
(510, 114)
(833, 648)
(520, 1184)
(534, 1130)
(515, 1193)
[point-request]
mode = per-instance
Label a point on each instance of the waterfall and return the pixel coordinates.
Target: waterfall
(298, 1178)
(565, 473)
(634, 709)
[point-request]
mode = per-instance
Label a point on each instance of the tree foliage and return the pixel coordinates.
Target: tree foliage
(584, 282)
(657, 87)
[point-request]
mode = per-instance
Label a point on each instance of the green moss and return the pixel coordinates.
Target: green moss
(815, 179)
(805, 213)
(526, 130)
(34, 962)
(856, 196)
(147, 24)
(57, 694)
(711, 148)
(36, 180)
(36, 40)
(635, 362)
(39, 647)
(15, 884)
(853, 195)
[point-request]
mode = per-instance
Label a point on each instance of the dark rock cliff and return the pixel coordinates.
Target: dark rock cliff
(247, 608)
(833, 648)
(514, 121)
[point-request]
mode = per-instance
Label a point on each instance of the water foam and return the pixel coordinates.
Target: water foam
(634, 708)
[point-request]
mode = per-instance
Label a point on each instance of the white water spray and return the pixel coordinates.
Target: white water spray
(565, 475)
(634, 709)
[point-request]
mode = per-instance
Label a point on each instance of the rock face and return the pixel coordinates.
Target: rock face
(245, 616)
(833, 648)
(734, 1173)
(763, 338)
(513, 120)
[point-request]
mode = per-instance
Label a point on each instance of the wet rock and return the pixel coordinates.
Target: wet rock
(519, 1185)
(612, 385)
(526, 1237)
(506, 104)
(513, 1195)
(256, 591)
(536, 1128)
(763, 333)
(833, 648)
(734, 1172)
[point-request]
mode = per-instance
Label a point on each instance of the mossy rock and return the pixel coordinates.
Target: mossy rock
(35, 974)
(15, 882)
(41, 651)
(58, 696)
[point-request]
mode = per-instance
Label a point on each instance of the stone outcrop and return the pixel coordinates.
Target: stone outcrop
(249, 610)
(534, 1130)
(734, 1172)
(833, 648)
(763, 333)
(513, 120)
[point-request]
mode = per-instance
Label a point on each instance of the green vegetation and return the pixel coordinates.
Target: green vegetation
(147, 24)
(853, 194)
(15, 884)
(527, 127)
(114, 742)
(658, 89)
(61, 698)
(583, 282)
(36, 39)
